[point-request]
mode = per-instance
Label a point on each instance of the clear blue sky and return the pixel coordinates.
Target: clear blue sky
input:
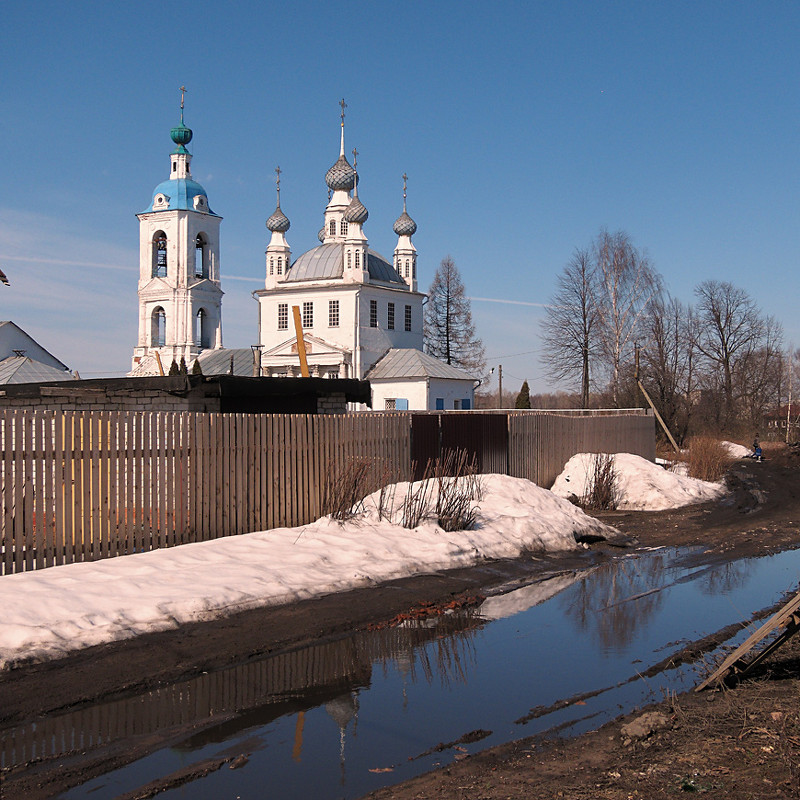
(524, 128)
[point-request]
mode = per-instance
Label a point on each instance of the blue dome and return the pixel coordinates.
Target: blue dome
(180, 194)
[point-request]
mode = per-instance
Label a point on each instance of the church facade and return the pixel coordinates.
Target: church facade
(361, 314)
(180, 297)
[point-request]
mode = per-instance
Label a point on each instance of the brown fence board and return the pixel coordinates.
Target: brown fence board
(79, 486)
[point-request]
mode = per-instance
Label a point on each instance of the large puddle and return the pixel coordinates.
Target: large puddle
(340, 719)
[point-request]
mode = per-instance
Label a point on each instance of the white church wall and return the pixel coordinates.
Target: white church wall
(450, 394)
(410, 394)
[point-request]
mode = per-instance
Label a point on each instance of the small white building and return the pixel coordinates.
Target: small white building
(356, 307)
(180, 299)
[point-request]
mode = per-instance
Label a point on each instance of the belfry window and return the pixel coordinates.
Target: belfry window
(349, 259)
(271, 266)
(332, 227)
(406, 268)
(201, 331)
(200, 257)
(343, 227)
(158, 325)
(280, 266)
(160, 255)
(358, 259)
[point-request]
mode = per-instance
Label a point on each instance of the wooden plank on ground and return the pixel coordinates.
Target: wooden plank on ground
(784, 617)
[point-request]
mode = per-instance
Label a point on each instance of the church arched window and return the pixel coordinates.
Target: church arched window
(280, 266)
(332, 227)
(158, 333)
(406, 268)
(358, 259)
(200, 257)
(160, 255)
(349, 259)
(343, 227)
(414, 270)
(201, 331)
(271, 266)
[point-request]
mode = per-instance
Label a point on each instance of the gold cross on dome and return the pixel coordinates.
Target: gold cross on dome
(344, 106)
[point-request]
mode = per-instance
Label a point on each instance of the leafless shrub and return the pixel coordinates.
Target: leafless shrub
(458, 512)
(601, 489)
(707, 458)
(345, 489)
(414, 507)
(386, 494)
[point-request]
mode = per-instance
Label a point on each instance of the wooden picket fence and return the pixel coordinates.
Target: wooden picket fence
(83, 486)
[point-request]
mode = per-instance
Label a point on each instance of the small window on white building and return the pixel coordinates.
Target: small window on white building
(160, 255)
(333, 313)
(390, 404)
(332, 227)
(158, 332)
(280, 266)
(373, 313)
(408, 318)
(343, 228)
(390, 317)
(308, 314)
(200, 257)
(358, 259)
(283, 316)
(271, 266)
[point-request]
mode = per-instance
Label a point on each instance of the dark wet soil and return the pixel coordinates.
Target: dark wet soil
(761, 515)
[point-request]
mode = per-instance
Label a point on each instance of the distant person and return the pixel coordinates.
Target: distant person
(757, 449)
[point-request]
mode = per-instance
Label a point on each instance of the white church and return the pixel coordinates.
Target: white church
(362, 315)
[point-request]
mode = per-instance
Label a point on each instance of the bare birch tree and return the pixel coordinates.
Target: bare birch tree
(569, 328)
(449, 330)
(625, 285)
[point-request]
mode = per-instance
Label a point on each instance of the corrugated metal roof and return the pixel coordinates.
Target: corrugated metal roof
(218, 362)
(21, 369)
(400, 363)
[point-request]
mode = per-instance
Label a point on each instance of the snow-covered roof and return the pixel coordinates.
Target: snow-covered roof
(400, 363)
(21, 369)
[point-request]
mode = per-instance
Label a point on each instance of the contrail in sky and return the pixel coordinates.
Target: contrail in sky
(510, 302)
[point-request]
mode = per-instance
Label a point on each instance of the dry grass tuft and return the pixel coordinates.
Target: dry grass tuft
(601, 490)
(707, 458)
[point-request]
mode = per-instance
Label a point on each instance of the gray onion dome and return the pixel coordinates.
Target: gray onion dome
(278, 222)
(321, 234)
(404, 225)
(341, 176)
(356, 212)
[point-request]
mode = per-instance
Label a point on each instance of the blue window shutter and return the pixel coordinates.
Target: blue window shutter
(465, 404)
(440, 403)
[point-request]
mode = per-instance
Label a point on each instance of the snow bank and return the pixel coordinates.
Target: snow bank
(50, 612)
(737, 450)
(641, 485)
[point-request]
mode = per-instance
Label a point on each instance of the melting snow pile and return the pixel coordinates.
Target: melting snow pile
(49, 612)
(641, 485)
(737, 450)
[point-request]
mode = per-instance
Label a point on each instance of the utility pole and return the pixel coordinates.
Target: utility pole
(500, 385)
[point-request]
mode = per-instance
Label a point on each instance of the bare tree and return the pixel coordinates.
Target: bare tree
(569, 328)
(625, 285)
(449, 330)
(668, 362)
(738, 344)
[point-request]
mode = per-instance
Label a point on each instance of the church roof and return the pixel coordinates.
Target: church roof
(22, 369)
(399, 363)
(327, 261)
(180, 194)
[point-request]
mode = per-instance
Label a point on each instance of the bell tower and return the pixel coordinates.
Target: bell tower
(180, 299)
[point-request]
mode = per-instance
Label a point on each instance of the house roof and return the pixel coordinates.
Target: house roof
(327, 261)
(22, 369)
(398, 363)
(218, 362)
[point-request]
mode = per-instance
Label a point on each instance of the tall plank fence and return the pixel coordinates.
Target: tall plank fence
(82, 486)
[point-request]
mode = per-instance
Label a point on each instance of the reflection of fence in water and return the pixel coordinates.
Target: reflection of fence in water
(210, 698)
